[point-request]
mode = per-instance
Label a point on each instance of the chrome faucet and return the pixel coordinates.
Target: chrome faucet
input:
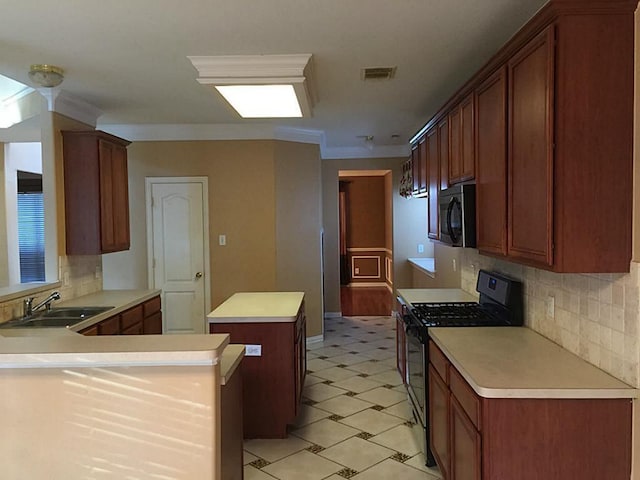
(29, 309)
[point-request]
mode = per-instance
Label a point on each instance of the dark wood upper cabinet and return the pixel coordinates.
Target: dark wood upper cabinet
(415, 170)
(461, 142)
(96, 192)
(443, 142)
(433, 182)
(530, 170)
(422, 167)
(491, 158)
(546, 130)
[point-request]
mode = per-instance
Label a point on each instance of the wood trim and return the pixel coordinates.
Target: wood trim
(355, 275)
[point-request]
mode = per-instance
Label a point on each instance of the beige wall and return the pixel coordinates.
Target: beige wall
(365, 211)
(298, 226)
(259, 191)
(409, 224)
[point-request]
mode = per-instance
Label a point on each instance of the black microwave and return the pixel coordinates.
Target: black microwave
(458, 215)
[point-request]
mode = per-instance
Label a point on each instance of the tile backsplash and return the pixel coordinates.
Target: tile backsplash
(595, 316)
(79, 275)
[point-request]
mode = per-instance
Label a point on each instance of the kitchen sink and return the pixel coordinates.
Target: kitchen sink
(56, 317)
(72, 312)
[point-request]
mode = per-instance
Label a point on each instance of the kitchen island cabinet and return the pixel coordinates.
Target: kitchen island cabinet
(272, 326)
(508, 403)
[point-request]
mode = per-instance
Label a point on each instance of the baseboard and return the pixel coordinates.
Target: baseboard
(332, 314)
(367, 284)
(316, 339)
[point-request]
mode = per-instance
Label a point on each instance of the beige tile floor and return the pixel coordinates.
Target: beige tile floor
(355, 419)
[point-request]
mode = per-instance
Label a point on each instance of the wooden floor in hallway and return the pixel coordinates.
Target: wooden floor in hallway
(365, 301)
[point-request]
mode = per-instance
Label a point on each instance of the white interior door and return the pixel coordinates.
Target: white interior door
(179, 260)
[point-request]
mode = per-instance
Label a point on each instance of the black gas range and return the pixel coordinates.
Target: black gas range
(500, 304)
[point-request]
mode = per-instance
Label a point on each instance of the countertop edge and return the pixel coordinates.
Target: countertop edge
(555, 393)
(231, 319)
(231, 357)
(425, 265)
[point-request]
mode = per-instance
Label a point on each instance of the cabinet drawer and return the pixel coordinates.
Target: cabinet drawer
(151, 306)
(467, 398)
(135, 329)
(110, 326)
(439, 362)
(153, 324)
(131, 317)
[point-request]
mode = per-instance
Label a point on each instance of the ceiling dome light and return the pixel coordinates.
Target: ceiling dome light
(46, 75)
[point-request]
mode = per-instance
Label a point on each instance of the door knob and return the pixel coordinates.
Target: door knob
(199, 275)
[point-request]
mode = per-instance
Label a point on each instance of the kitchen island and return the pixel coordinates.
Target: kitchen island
(508, 403)
(272, 326)
(110, 406)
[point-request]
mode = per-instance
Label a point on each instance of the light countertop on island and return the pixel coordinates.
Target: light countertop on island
(258, 307)
(435, 295)
(516, 362)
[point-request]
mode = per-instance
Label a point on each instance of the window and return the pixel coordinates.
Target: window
(30, 227)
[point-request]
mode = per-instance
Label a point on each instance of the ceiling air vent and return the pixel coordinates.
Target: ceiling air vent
(378, 73)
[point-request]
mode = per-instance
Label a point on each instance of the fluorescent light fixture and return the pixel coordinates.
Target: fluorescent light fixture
(261, 86)
(262, 101)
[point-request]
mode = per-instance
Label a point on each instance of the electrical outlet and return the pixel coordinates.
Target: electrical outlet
(253, 350)
(98, 272)
(357, 270)
(455, 266)
(420, 248)
(222, 240)
(551, 307)
(65, 279)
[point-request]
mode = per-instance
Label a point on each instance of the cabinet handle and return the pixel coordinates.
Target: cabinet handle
(199, 275)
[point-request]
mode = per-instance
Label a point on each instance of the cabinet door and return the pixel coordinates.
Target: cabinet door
(491, 174)
(530, 159)
(415, 170)
(454, 146)
(401, 353)
(114, 200)
(152, 325)
(467, 146)
(110, 326)
(433, 182)
(422, 161)
(439, 421)
(465, 446)
(443, 152)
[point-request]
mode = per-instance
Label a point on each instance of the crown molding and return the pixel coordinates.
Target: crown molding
(256, 131)
(69, 105)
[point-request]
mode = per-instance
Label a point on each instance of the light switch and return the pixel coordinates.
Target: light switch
(222, 240)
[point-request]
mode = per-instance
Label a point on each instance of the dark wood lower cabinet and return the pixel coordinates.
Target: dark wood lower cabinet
(142, 319)
(476, 438)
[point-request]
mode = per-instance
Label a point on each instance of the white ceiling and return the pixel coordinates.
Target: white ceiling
(129, 59)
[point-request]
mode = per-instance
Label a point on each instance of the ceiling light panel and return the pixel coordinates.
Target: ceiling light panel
(287, 74)
(262, 101)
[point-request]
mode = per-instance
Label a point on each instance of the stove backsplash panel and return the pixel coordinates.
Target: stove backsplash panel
(596, 316)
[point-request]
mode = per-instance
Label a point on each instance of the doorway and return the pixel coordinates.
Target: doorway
(366, 242)
(178, 250)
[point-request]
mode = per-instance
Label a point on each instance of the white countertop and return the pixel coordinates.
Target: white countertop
(68, 351)
(516, 362)
(435, 295)
(254, 307)
(426, 265)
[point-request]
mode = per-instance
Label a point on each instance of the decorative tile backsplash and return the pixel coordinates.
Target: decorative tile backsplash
(595, 316)
(80, 273)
